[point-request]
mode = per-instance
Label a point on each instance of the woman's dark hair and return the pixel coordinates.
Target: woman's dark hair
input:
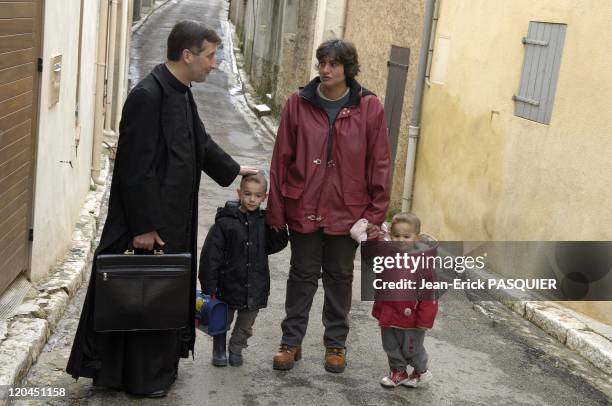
(340, 51)
(189, 34)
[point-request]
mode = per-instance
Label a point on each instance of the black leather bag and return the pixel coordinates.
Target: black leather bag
(142, 292)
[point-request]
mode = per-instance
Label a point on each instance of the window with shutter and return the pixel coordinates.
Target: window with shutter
(543, 49)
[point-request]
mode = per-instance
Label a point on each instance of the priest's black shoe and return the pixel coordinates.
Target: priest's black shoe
(157, 394)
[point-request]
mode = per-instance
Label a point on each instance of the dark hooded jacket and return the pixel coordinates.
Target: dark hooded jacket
(234, 260)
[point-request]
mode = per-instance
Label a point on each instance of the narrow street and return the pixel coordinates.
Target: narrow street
(480, 354)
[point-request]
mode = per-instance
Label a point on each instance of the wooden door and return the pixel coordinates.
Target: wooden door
(394, 96)
(20, 34)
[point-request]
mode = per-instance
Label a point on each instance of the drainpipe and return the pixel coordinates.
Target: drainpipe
(99, 94)
(343, 13)
(415, 120)
(110, 63)
(122, 58)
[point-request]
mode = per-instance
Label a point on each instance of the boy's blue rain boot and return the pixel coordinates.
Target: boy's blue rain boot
(219, 358)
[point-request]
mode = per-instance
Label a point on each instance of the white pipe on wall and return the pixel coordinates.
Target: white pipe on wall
(123, 49)
(110, 64)
(99, 94)
(415, 120)
(413, 139)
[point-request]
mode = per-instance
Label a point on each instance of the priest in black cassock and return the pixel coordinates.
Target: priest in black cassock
(162, 149)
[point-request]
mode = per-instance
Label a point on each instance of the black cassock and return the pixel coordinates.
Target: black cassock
(163, 147)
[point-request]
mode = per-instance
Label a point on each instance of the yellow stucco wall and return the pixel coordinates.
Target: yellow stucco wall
(484, 174)
(374, 26)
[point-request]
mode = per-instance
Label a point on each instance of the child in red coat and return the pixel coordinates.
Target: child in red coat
(403, 320)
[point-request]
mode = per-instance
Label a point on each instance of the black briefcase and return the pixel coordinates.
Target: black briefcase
(142, 292)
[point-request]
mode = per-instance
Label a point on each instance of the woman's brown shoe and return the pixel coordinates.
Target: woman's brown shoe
(335, 359)
(286, 356)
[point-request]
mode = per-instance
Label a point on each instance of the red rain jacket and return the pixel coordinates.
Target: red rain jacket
(314, 185)
(420, 312)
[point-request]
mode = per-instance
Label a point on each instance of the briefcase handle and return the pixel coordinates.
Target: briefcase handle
(130, 250)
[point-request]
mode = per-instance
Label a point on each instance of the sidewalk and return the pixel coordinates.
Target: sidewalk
(28, 329)
(270, 124)
(588, 337)
(147, 13)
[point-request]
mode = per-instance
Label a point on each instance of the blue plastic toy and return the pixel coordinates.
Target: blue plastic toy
(210, 314)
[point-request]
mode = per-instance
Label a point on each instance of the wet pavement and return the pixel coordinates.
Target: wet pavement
(480, 354)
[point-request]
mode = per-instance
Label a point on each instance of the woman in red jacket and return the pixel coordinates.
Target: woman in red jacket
(403, 316)
(330, 167)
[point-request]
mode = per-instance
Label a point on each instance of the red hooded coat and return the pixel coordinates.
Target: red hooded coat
(418, 312)
(308, 191)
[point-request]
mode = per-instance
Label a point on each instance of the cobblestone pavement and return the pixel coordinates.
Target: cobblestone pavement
(479, 354)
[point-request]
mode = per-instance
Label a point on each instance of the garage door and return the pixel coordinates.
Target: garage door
(20, 33)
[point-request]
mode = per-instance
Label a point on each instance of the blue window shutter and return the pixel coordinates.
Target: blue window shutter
(540, 72)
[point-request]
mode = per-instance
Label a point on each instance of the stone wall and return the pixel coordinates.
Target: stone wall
(276, 38)
(296, 50)
(374, 26)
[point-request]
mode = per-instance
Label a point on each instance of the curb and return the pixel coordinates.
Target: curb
(269, 124)
(36, 318)
(144, 19)
(576, 331)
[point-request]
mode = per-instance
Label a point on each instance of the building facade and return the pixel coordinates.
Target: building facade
(380, 32)
(514, 141)
(276, 38)
(56, 58)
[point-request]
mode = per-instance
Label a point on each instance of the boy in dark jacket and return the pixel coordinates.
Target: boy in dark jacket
(234, 264)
